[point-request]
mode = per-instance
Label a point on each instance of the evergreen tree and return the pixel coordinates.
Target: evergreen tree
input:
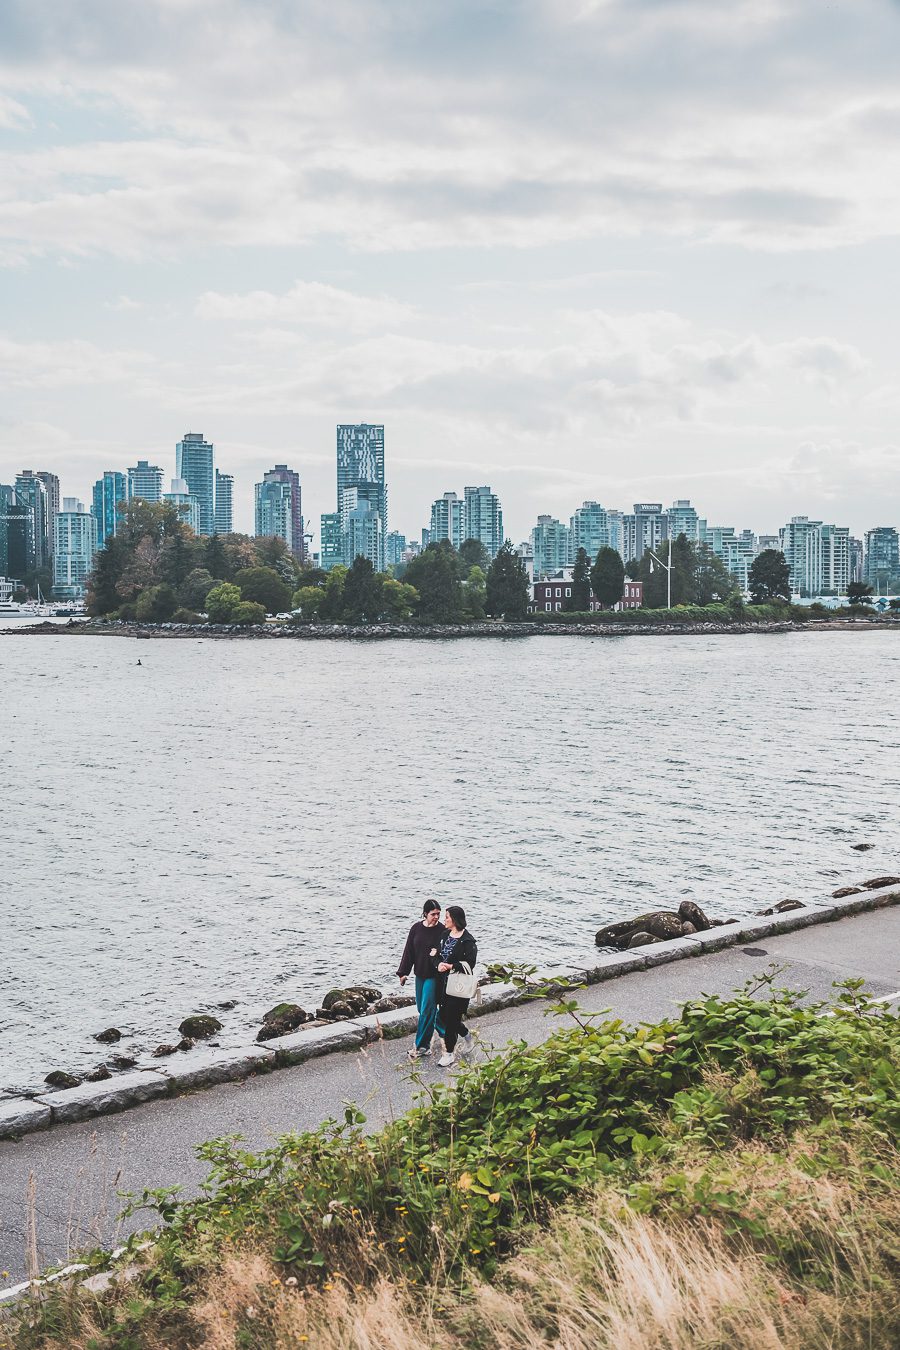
(712, 579)
(263, 586)
(102, 596)
(214, 560)
(608, 577)
(684, 569)
(581, 583)
(507, 593)
(473, 553)
(362, 591)
(770, 577)
(434, 574)
(859, 593)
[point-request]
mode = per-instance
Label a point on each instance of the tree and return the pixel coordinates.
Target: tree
(581, 582)
(332, 606)
(362, 591)
(473, 553)
(507, 590)
(434, 575)
(859, 593)
(195, 588)
(683, 557)
(308, 599)
(247, 612)
(474, 593)
(712, 579)
(102, 597)
(264, 587)
(272, 551)
(608, 577)
(214, 560)
(398, 599)
(222, 601)
(157, 604)
(770, 577)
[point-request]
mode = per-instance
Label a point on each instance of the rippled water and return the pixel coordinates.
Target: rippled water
(233, 820)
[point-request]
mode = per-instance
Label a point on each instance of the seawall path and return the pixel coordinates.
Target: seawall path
(75, 1171)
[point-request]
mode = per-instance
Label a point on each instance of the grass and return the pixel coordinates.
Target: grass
(725, 1178)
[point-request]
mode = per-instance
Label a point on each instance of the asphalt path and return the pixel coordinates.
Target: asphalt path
(59, 1188)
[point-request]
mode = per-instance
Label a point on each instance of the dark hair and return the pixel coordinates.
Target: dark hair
(428, 906)
(457, 914)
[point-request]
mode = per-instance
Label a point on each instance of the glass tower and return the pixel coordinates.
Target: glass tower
(145, 480)
(194, 463)
(108, 492)
(224, 503)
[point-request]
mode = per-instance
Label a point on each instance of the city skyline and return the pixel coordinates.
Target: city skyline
(691, 304)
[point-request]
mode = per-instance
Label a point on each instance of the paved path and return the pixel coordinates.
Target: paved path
(76, 1170)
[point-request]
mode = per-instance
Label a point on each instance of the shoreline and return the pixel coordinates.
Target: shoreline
(393, 631)
(209, 1066)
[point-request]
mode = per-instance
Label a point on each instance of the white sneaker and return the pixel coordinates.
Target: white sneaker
(446, 1059)
(466, 1044)
(415, 1054)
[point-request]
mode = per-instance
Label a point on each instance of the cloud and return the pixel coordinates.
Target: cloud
(307, 303)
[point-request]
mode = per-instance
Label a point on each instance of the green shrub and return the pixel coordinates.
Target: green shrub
(248, 612)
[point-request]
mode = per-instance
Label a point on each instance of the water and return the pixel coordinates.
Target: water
(249, 821)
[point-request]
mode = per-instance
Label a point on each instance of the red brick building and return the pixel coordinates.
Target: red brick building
(552, 595)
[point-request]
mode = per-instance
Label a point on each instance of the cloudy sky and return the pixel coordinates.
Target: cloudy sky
(609, 249)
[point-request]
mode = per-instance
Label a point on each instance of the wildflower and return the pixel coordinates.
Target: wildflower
(494, 1197)
(465, 1181)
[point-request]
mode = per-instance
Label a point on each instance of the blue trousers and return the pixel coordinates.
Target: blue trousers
(429, 1017)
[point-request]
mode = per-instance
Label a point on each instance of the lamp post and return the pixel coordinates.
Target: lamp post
(668, 567)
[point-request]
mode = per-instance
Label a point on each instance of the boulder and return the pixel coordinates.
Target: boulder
(641, 940)
(356, 996)
(876, 883)
(60, 1079)
(285, 1017)
(687, 929)
(185, 1044)
(122, 1061)
(98, 1075)
(200, 1026)
(659, 923)
(393, 1001)
(862, 848)
(689, 913)
(162, 1050)
(782, 907)
(846, 890)
(109, 1036)
(341, 1008)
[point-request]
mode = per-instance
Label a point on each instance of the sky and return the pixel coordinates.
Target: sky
(609, 250)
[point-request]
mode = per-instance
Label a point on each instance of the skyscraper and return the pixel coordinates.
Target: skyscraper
(882, 562)
(551, 544)
(14, 517)
(51, 485)
(447, 520)
(73, 551)
(274, 510)
(282, 474)
(145, 480)
(331, 547)
(483, 518)
(31, 492)
(394, 548)
(194, 463)
(224, 503)
(590, 529)
(682, 518)
(187, 503)
(645, 528)
(361, 490)
(109, 491)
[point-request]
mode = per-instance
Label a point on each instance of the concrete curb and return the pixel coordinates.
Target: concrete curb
(205, 1067)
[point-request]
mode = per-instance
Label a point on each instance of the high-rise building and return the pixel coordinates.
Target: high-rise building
(590, 529)
(483, 518)
(682, 518)
(291, 479)
(765, 542)
(362, 491)
(835, 559)
(857, 559)
(74, 547)
(551, 545)
(194, 464)
(145, 480)
(646, 527)
(394, 548)
(14, 534)
(109, 492)
(187, 503)
(331, 547)
(274, 516)
(51, 485)
(525, 552)
(31, 492)
(801, 544)
(362, 532)
(224, 503)
(616, 529)
(447, 520)
(882, 562)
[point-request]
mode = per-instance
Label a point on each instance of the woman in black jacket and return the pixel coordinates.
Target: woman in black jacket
(457, 947)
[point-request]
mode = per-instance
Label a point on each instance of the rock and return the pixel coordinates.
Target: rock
(339, 1009)
(687, 928)
(862, 848)
(185, 1044)
(846, 890)
(393, 1001)
(200, 1026)
(356, 998)
(689, 913)
(109, 1036)
(227, 1005)
(285, 1017)
(782, 907)
(641, 940)
(98, 1075)
(162, 1050)
(122, 1061)
(60, 1079)
(877, 882)
(659, 923)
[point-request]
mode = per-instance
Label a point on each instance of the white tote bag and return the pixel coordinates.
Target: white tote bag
(462, 983)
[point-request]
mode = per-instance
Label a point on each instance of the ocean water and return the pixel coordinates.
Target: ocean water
(236, 820)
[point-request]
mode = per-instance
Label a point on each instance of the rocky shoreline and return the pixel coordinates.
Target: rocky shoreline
(489, 629)
(353, 1017)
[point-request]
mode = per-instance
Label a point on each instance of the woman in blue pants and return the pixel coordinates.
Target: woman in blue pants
(424, 940)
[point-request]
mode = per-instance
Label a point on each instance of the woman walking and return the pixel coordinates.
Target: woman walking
(457, 950)
(425, 937)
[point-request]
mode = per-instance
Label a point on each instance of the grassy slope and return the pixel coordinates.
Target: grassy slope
(727, 1178)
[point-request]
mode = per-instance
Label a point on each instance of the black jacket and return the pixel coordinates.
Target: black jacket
(466, 950)
(418, 945)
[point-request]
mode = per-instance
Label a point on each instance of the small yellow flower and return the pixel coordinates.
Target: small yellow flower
(465, 1181)
(494, 1197)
